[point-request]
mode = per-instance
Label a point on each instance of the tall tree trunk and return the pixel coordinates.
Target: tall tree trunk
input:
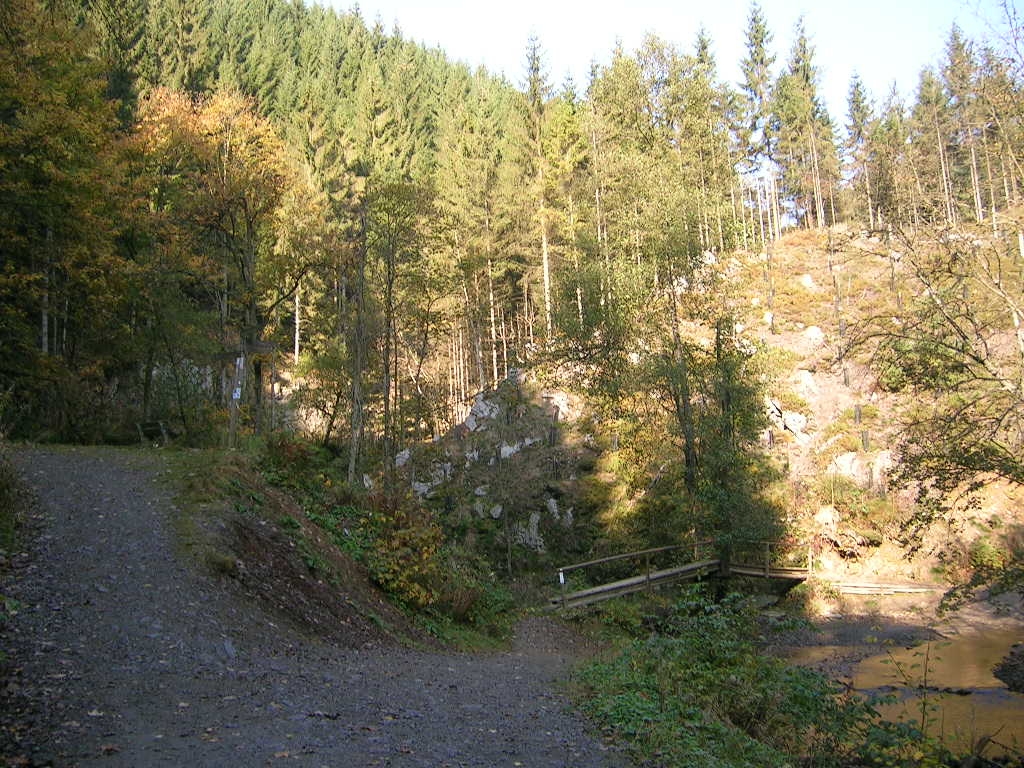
(504, 343)
(44, 320)
(947, 186)
(679, 388)
(979, 209)
(358, 355)
(298, 321)
(867, 192)
(494, 327)
(546, 266)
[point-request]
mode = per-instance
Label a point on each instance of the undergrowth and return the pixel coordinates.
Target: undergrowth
(452, 592)
(693, 689)
(12, 504)
(13, 501)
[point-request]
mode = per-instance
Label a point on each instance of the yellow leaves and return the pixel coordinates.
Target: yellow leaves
(406, 559)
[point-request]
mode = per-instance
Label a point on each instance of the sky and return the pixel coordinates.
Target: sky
(886, 41)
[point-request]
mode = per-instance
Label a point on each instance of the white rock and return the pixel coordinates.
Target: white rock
(480, 490)
(496, 511)
(865, 470)
(808, 282)
(552, 505)
(367, 483)
(560, 400)
(402, 458)
(827, 518)
(440, 472)
(484, 409)
(420, 489)
(470, 422)
(510, 450)
(804, 384)
(529, 535)
(814, 335)
(796, 423)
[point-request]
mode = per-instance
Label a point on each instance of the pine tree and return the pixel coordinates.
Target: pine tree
(858, 132)
(179, 40)
(756, 89)
(537, 92)
(121, 28)
(804, 136)
(930, 151)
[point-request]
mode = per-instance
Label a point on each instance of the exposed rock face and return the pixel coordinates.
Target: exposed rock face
(827, 519)
(804, 383)
(506, 470)
(790, 421)
(1011, 669)
(866, 470)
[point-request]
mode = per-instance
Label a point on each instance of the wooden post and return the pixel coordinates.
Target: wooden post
(236, 396)
(647, 569)
(767, 557)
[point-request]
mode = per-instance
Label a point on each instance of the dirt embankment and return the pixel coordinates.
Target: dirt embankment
(121, 655)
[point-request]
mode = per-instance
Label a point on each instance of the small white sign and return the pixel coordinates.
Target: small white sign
(237, 394)
(561, 578)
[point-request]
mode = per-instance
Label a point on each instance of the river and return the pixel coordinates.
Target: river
(951, 683)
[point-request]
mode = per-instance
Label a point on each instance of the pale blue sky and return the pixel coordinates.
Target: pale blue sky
(886, 41)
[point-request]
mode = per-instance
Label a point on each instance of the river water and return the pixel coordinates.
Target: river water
(979, 704)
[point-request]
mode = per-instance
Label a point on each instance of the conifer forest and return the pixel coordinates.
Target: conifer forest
(242, 217)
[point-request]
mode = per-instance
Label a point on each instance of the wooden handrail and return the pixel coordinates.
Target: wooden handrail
(612, 558)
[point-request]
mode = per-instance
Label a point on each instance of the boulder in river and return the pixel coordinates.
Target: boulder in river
(1011, 669)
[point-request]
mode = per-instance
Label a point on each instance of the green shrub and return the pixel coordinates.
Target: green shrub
(469, 593)
(407, 541)
(986, 555)
(12, 505)
(698, 692)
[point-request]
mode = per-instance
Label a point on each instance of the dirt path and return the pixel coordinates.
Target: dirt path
(121, 656)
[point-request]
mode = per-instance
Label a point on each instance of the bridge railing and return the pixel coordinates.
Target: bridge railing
(763, 558)
(768, 555)
(699, 549)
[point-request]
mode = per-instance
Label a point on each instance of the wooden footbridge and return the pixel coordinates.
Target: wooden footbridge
(758, 559)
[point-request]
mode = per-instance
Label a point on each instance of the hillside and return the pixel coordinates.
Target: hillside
(839, 417)
(541, 475)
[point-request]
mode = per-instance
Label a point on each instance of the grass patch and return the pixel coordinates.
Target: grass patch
(204, 483)
(13, 499)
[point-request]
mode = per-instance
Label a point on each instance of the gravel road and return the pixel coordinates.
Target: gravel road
(120, 655)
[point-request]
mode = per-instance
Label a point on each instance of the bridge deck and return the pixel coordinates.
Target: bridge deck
(654, 579)
(634, 584)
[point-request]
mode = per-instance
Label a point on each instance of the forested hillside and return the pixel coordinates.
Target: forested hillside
(247, 216)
